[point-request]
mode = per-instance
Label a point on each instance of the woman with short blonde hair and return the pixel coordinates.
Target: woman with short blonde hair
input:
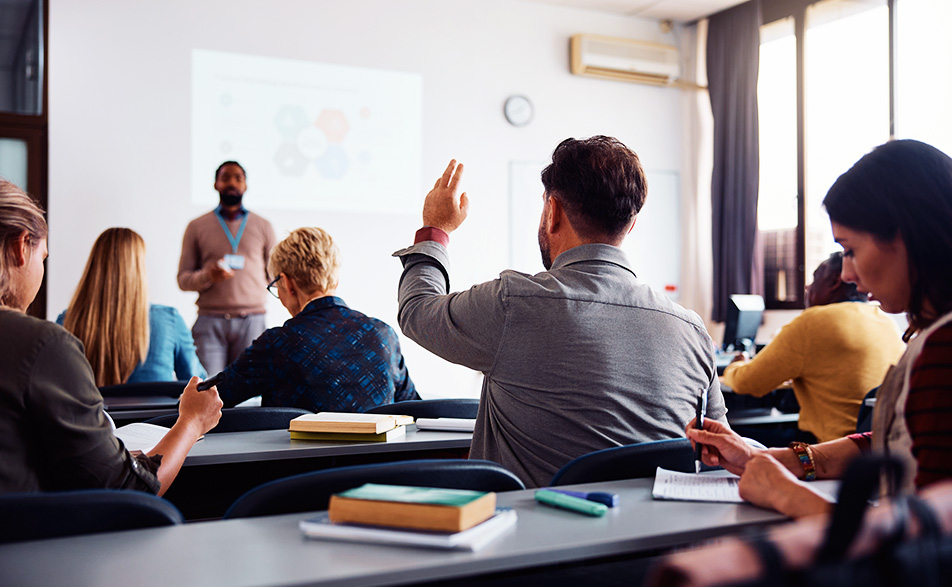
(126, 339)
(327, 357)
(310, 257)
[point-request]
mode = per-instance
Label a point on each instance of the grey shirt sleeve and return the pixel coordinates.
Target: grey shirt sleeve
(464, 327)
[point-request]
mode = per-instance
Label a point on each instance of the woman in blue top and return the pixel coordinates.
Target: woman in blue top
(126, 339)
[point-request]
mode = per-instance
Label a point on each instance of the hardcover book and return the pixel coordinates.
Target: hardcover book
(393, 433)
(422, 508)
(347, 422)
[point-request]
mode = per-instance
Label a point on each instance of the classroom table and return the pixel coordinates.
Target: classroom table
(223, 466)
(272, 550)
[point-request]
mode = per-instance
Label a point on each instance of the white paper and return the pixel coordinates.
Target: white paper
(696, 487)
(455, 424)
(141, 436)
(471, 540)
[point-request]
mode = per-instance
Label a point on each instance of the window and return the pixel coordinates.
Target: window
(23, 120)
(824, 101)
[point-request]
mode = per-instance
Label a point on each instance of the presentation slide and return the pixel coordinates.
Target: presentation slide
(312, 136)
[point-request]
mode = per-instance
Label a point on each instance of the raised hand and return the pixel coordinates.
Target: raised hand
(445, 208)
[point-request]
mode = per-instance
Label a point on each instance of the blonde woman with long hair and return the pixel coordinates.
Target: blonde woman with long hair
(126, 339)
(56, 436)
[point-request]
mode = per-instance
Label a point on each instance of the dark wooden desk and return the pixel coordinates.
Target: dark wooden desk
(222, 467)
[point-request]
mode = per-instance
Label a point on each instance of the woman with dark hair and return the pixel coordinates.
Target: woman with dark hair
(55, 434)
(892, 214)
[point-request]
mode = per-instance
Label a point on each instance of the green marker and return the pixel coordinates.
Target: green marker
(568, 502)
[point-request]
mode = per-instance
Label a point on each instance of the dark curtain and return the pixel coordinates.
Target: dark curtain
(733, 58)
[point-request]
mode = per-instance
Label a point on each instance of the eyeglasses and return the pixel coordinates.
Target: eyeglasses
(273, 286)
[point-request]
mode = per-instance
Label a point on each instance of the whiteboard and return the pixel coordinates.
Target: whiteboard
(653, 247)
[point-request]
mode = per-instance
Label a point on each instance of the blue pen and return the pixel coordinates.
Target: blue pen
(609, 499)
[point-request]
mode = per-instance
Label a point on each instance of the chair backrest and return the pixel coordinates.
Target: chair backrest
(628, 462)
(312, 491)
(431, 408)
(148, 388)
(35, 516)
(864, 419)
(244, 419)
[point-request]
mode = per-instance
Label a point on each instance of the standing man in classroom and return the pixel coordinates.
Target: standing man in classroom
(581, 357)
(225, 259)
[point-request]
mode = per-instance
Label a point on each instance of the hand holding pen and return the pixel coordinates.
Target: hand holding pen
(211, 382)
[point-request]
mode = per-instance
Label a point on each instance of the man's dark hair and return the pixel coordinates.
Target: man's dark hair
(600, 183)
(848, 290)
(235, 163)
(904, 188)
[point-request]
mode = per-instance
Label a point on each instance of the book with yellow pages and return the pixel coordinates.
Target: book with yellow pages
(392, 434)
(347, 422)
(420, 508)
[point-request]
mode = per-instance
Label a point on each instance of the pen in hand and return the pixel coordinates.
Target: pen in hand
(698, 424)
(211, 382)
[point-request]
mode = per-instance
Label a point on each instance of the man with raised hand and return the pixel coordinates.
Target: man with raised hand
(581, 357)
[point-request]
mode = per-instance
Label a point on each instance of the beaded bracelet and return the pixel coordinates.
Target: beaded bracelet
(802, 450)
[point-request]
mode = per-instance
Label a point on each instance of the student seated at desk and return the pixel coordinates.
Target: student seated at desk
(55, 433)
(891, 213)
(327, 357)
(580, 357)
(835, 351)
(126, 339)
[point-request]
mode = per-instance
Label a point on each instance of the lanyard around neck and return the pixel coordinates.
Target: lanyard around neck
(234, 240)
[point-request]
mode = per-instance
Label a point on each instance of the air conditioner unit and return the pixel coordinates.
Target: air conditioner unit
(624, 59)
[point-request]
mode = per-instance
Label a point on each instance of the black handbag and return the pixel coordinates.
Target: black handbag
(924, 560)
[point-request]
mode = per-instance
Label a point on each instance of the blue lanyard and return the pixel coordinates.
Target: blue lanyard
(234, 240)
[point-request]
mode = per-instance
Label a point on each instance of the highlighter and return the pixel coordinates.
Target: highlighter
(571, 503)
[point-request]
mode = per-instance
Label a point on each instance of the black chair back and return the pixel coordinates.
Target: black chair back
(35, 516)
(312, 491)
(149, 388)
(244, 419)
(864, 419)
(628, 462)
(431, 408)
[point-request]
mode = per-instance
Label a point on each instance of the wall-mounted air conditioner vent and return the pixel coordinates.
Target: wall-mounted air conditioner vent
(624, 59)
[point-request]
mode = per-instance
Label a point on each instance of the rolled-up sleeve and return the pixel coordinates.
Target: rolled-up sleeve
(464, 327)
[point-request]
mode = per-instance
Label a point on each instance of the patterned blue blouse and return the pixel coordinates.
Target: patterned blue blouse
(171, 355)
(326, 358)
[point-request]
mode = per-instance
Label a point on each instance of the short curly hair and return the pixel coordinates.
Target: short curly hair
(308, 256)
(600, 182)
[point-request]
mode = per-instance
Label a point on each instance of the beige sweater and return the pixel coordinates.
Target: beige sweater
(205, 242)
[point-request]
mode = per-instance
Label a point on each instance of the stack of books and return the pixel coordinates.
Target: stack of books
(417, 516)
(342, 426)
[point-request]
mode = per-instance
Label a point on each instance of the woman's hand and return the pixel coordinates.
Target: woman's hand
(766, 481)
(201, 410)
(721, 446)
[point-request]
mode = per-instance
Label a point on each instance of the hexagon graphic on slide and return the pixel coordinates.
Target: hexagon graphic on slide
(334, 163)
(311, 142)
(290, 161)
(290, 120)
(334, 124)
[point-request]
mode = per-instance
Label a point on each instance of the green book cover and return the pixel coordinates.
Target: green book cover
(423, 495)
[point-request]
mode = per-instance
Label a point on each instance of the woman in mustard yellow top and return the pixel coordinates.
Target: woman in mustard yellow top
(837, 350)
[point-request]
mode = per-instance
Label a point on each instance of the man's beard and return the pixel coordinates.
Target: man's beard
(230, 197)
(544, 246)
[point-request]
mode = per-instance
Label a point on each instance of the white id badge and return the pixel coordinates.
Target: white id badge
(235, 261)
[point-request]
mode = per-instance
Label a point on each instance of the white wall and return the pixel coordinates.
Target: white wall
(119, 117)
